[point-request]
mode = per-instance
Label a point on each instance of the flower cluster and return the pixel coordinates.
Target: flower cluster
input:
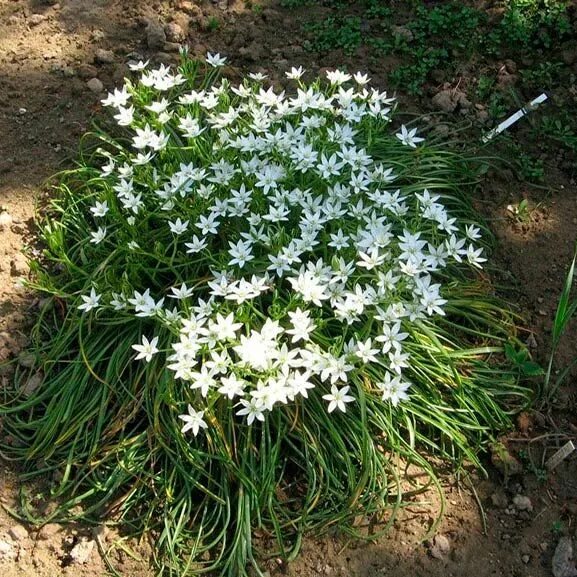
(300, 261)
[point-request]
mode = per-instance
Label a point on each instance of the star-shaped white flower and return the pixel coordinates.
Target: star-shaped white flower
(408, 137)
(215, 60)
(193, 421)
(147, 349)
(337, 398)
(90, 302)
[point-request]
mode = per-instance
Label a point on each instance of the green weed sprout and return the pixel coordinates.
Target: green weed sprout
(564, 313)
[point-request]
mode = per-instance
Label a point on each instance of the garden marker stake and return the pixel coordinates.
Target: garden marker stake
(514, 117)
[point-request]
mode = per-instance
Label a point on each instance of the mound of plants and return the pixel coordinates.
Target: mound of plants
(263, 307)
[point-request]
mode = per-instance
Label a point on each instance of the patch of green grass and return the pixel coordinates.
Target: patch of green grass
(528, 25)
(335, 32)
(213, 24)
(561, 128)
(530, 168)
(544, 75)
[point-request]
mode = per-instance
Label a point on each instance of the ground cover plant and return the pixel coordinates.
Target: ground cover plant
(501, 55)
(265, 306)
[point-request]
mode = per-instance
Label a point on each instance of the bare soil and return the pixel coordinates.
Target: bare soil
(48, 97)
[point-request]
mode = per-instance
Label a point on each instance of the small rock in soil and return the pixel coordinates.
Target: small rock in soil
(524, 422)
(499, 499)
(155, 36)
(7, 551)
(166, 57)
(48, 531)
(18, 533)
(19, 265)
(174, 32)
(563, 564)
(531, 341)
(511, 66)
(440, 547)
(171, 47)
(464, 102)
(5, 220)
(506, 80)
(32, 383)
(525, 559)
(569, 56)
(35, 19)
(102, 56)
(86, 71)
(483, 116)
(445, 101)
(503, 461)
(26, 359)
(403, 32)
(81, 551)
(95, 85)
(438, 75)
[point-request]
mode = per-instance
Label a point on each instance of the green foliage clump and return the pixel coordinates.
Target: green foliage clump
(265, 307)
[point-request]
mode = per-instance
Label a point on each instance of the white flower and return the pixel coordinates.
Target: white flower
(158, 107)
(193, 421)
(455, 247)
(178, 227)
(408, 137)
(118, 301)
(215, 60)
(90, 302)
(117, 98)
(99, 235)
(138, 66)
(144, 304)
(147, 349)
(391, 337)
(99, 209)
(207, 224)
(224, 328)
(299, 383)
(295, 73)
(330, 166)
(190, 127)
(202, 380)
(309, 287)
(253, 409)
(365, 352)
(338, 77)
(337, 398)
(256, 351)
(372, 260)
(141, 158)
(394, 389)
(302, 325)
(473, 232)
(398, 360)
(257, 76)
(339, 240)
(125, 116)
(196, 245)
(361, 79)
(181, 292)
(232, 386)
(241, 253)
(474, 256)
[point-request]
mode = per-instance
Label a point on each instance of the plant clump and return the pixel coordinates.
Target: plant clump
(264, 303)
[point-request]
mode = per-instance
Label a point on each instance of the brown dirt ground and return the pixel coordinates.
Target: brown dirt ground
(45, 106)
